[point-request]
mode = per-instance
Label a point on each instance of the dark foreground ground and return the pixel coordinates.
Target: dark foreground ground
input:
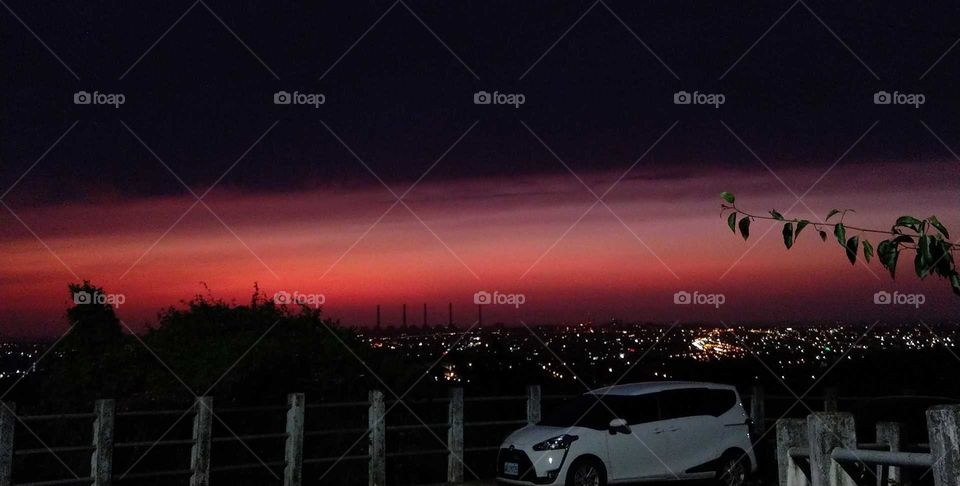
(755, 482)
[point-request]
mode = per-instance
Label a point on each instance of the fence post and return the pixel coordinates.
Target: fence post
(830, 400)
(757, 410)
(7, 425)
(943, 422)
(101, 462)
(889, 434)
(827, 431)
(533, 404)
(790, 433)
(377, 467)
(455, 437)
(202, 435)
(293, 449)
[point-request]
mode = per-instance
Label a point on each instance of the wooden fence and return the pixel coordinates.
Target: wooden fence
(101, 449)
(792, 437)
(823, 450)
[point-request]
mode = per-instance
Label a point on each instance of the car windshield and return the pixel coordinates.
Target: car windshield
(582, 411)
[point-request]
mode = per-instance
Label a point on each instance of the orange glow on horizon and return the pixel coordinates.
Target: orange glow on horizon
(600, 269)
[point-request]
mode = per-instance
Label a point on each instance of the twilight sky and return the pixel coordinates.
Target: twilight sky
(295, 198)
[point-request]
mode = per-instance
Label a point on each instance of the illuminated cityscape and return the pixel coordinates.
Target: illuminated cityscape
(17, 360)
(611, 349)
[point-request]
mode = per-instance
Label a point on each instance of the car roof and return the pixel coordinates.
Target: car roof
(656, 386)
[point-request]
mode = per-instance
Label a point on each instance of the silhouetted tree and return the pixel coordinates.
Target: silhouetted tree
(251, 353)
(257, 352)
(92, 360)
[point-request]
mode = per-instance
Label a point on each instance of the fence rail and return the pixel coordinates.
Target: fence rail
(201, 441)
(882, 458)
(823, 450)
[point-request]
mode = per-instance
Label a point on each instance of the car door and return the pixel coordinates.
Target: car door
(692, 431)
(636, 452)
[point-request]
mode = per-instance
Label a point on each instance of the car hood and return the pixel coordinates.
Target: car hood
(534, 434)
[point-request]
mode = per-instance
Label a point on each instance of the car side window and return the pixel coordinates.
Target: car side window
(718, 402)
(675, 404)
(693, 402)
(634, 409)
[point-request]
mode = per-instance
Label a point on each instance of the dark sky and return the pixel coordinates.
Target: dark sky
(293, 207)
(798, 95)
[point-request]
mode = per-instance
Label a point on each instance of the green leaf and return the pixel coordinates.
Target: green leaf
(903, 239)
(924, 261)
(925, 249)
(745, 227)
(823, 235)
(939, 226)
(727, 197)
(888, 252)
(800, 226)
(777, 216)
(942, 258)
(833, 212)
(867, 251)
(732, 222)
(788, 235)
(908, 222)
(955, 283)
(841, 233)
(920, 266)
(853, 246)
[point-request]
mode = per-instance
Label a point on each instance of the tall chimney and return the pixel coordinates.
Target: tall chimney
(404, 315)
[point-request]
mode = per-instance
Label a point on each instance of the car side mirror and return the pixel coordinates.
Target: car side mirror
(619, 425)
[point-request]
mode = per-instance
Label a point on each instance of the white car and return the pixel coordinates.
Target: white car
(637, 432)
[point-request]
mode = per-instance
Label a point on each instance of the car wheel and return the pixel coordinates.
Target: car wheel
(586, 472)
(733, 471)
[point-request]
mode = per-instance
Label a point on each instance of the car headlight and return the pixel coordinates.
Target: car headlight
(556, 443)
